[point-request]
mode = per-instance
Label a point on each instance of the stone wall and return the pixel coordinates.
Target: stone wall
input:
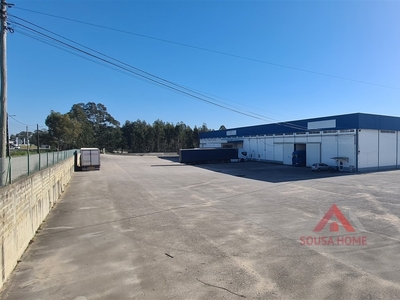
(23, 207)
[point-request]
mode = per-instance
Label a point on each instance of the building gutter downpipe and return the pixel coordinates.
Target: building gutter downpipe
(357, 149)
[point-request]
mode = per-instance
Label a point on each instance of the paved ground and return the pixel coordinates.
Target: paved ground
(149, 228)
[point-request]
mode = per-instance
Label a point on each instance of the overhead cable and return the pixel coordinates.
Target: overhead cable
(213, 51)
(138, 72)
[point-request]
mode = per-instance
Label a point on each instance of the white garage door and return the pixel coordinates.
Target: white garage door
(287, 153)
(313, 151)
(278, 153)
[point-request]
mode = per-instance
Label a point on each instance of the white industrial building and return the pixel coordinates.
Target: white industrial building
(355, 142)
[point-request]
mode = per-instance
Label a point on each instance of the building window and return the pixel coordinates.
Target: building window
(330, 131)
(388, 131)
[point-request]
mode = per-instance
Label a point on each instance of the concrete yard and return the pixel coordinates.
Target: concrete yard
(150, 228)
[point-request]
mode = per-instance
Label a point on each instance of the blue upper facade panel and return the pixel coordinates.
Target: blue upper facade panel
(367, 121)
(339, 122)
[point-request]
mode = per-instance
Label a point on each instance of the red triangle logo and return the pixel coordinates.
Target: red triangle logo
(334, 211)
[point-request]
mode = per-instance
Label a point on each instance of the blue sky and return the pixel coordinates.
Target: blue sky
(356, 40)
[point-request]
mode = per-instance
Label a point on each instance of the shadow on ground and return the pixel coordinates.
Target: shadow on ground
(260, 170)
(171, 158)
(269, 172)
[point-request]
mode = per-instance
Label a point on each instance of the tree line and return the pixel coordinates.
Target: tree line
(91, 125)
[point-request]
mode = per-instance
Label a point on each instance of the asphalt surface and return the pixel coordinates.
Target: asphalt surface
(150, 228)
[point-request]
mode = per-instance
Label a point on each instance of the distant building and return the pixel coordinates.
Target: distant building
(355, 142)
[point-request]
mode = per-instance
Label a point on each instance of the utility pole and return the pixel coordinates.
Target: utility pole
(27, 149)
(8, 135)
(8, 139)
(37, 138)
(3, 84)
(3, 91)
(27, 140)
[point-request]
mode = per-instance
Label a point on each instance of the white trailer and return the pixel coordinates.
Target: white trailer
(89, 159)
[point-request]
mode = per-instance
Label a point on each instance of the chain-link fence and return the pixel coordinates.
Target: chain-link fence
(12, 168)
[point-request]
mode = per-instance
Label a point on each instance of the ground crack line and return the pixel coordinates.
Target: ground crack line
(220, 287)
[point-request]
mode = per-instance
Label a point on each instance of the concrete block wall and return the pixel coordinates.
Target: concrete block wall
(23, 207)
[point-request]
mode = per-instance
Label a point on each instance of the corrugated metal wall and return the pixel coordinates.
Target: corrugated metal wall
(378, 149)
(320, 147)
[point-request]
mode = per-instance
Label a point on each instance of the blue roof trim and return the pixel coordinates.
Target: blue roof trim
(348, 121)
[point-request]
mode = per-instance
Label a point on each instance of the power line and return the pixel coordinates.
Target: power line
(16, 125)
(250, 114)
(123, 63)
(138, 72)
(264, 118)
(212, 51)
(10, 116)
(55, 45)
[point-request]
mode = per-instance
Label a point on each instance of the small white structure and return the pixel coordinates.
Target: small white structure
(89, 159)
